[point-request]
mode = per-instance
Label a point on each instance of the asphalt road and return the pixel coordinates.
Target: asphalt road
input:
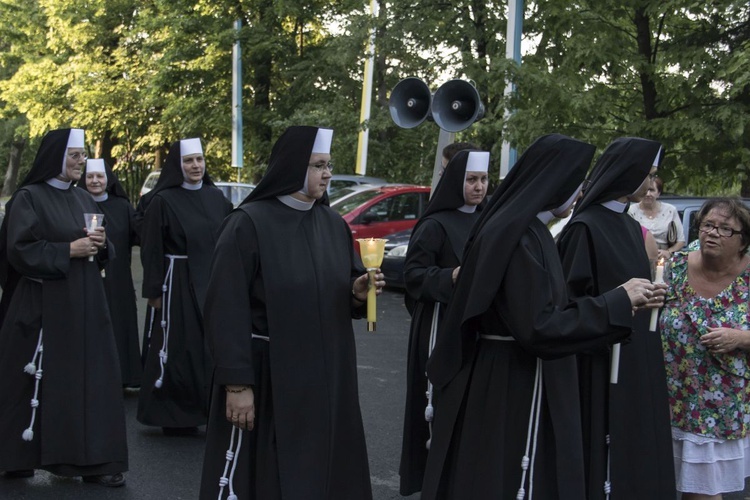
(169, 468)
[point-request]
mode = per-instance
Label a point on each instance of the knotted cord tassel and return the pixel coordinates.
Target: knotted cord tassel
(28, 434)
(532, 434)
(166, 306)
(607, 482)
(429, 411)
(232, 456)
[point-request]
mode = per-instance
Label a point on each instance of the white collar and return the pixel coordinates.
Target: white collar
(467, 209)
(545, 217)
(58, 184)
(101, 197)
(615, 206)
(294, 203)
(191, 187)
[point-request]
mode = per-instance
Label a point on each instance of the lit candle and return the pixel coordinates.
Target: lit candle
(92, 228)
(658, 278)
(371, 250)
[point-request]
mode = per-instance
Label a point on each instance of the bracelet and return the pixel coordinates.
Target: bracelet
(242, 389)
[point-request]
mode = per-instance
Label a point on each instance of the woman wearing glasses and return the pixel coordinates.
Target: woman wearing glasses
(704, 327)
(62, 408)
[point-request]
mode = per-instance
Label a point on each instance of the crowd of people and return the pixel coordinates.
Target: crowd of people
(536, 367)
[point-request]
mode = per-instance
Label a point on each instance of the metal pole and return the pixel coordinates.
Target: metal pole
(364, 116)
(444, 139)
(237, 100)
(512, 51)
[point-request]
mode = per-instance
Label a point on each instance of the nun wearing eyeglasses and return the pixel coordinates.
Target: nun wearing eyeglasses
(179, 232)
(430, 271)
(102, 184)
(62, 408)
(628, 449)
(285, 284)
(507, 422)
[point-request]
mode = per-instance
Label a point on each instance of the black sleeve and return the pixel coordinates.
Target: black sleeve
(28, 252)
(227, 312)
(527, 306)
(152, 248)
(425, 280)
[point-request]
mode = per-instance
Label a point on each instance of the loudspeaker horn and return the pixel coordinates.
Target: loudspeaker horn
(410, 102)
(456, 105)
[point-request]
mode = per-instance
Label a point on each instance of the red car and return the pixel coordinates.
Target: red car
(383, 210)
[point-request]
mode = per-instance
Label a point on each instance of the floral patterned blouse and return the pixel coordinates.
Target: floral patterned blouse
(709, 394)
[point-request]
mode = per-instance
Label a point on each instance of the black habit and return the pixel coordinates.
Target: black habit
(507, 322)
(600, 249)
(58, 302)
(182, 223)
(278, 317)
(435, 250)
(119, 216)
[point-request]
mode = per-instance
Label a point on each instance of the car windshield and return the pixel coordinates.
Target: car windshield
(354, 201)
(235, 193)
(339, 193)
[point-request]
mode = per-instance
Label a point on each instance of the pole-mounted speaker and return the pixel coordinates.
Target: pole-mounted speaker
(456, 105)
(410, 102)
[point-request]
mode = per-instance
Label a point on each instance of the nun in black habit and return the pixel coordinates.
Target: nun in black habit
(600, 247)
(285, 284)
(62, 408)
(508, 422)
(102, 184)
(430, 270)
(180, 228)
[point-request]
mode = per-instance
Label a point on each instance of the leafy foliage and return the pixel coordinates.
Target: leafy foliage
(138, 76)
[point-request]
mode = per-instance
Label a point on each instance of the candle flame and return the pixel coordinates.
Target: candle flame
(660, 262)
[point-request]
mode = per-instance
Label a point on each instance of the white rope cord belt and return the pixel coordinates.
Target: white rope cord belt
(429, 411)
(166, 303)
(231, 457)
(35, 371)
(233, 453)
(532, 434)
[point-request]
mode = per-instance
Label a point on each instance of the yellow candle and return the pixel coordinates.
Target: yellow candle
(371, 250)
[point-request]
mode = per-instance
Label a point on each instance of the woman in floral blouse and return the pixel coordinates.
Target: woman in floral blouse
(706, 349)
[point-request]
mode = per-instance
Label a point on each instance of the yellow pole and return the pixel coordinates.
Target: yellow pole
(364, 115)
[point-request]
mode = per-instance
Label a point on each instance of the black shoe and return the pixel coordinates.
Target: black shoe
(108, 480)
(179, 431)
(19, 474)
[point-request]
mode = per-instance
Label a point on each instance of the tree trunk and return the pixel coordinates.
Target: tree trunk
(14, 163)
(643, 36)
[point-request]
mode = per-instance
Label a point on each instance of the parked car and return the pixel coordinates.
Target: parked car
(339, 181)
(233, 191)
(395, 255)
(335, 197)
(150, 182)
(382, 210)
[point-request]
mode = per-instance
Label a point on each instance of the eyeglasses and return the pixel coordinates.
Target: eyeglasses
(78, 156)
(723, 231)
(322, 165)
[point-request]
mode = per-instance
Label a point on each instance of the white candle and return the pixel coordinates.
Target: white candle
(92, 228)
(659, 278)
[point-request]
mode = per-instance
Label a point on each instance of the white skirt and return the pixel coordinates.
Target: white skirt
(709, 465)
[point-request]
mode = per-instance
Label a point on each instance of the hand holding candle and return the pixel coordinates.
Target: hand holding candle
(658, 279)
(371, 250)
